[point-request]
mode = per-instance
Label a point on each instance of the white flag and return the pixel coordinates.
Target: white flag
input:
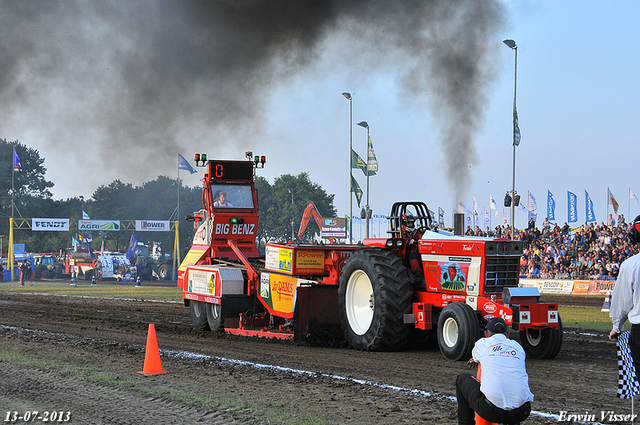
(493, 204)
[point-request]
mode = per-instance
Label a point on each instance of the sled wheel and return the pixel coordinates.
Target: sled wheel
(458, 330)
(214, 317)
(542, 344)
(199, 315)
(374, 295)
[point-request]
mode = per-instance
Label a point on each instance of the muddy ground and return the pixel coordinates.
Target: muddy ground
(82, 355)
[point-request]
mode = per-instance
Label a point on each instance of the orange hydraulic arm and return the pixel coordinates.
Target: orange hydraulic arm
(310, 211)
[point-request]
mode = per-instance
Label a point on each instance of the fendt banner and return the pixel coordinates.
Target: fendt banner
(50, 224)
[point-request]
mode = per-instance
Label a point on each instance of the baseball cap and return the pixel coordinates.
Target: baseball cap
(497, 325)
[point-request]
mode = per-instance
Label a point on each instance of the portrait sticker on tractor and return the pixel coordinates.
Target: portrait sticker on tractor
(453, 275)
(203, 282)
(279, 293)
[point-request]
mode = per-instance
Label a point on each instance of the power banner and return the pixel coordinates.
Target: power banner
(153, 226)
(50, 224)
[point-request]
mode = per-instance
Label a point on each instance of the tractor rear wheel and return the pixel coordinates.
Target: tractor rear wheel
(214, 317)
(458, 331)
(374, 295)
(199, 315)
(542, 344)
(163, 272)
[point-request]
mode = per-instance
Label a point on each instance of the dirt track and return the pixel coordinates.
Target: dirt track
(82, 354)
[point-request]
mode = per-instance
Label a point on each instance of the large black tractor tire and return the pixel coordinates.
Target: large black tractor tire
(199, 315)
(458, 331)
(542, 344)
(163, 272)
(214, 317)
(374, 295)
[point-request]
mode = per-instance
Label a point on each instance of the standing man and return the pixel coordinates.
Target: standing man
(625, 301)
(503, 395)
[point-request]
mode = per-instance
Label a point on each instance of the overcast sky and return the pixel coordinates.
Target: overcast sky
(110, 90)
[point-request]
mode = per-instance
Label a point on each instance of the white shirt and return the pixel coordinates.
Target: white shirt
(625, 301)
(504, 379)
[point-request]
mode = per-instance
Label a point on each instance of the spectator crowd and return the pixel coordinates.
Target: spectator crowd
(592, 251)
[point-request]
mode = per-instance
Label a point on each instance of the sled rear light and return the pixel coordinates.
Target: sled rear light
(200, 158)
(259, 160)
(237, 220)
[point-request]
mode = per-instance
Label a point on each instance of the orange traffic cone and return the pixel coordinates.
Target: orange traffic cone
(480, 420)
(152, 363)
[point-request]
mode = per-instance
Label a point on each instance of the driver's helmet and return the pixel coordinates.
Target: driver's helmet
(408, 221)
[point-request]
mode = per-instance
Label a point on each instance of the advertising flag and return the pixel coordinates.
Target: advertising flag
(516, 128)
(588, 203)
(355, 188)
(632, 196)
(486, 218)
(613, 201)
(131, 249)
(85, 216)
(17, 165)
(492, 203)
(357, 162)
(504, 217)
(373, 162)
(476, 214)
(551, 206)
(572, 202)
(183, 164)
(533, 207)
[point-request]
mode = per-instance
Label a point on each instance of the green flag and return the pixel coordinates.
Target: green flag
(516, 128)
(357, 162)
(373, 162)
(355, 188)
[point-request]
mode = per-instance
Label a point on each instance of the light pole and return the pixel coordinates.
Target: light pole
(291, 192)
(350, 99)
(81, 207)
(366, 207)
(512, 45)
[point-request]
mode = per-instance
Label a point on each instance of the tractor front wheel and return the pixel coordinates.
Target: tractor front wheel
(458, 331)
(374, 295)
(199, 315)
(542, 344)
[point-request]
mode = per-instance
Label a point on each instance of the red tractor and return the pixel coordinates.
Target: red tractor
(370, 289)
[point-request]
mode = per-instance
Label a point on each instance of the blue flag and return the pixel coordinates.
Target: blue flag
(573, 207)
(17, 166)
(183, 164)
(131, 249)
(533, 207)
(591, 216)
(551, 206)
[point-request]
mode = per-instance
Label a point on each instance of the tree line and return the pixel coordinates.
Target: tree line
(153, 200)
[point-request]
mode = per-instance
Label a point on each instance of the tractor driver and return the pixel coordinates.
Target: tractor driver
(221, 200)
(412, 236)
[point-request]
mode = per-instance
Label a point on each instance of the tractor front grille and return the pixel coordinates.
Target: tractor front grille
(500, 272)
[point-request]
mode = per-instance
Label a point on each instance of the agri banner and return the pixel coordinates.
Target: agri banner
(105, 225)
(50, 224)
(153, 226)
(549, 286)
